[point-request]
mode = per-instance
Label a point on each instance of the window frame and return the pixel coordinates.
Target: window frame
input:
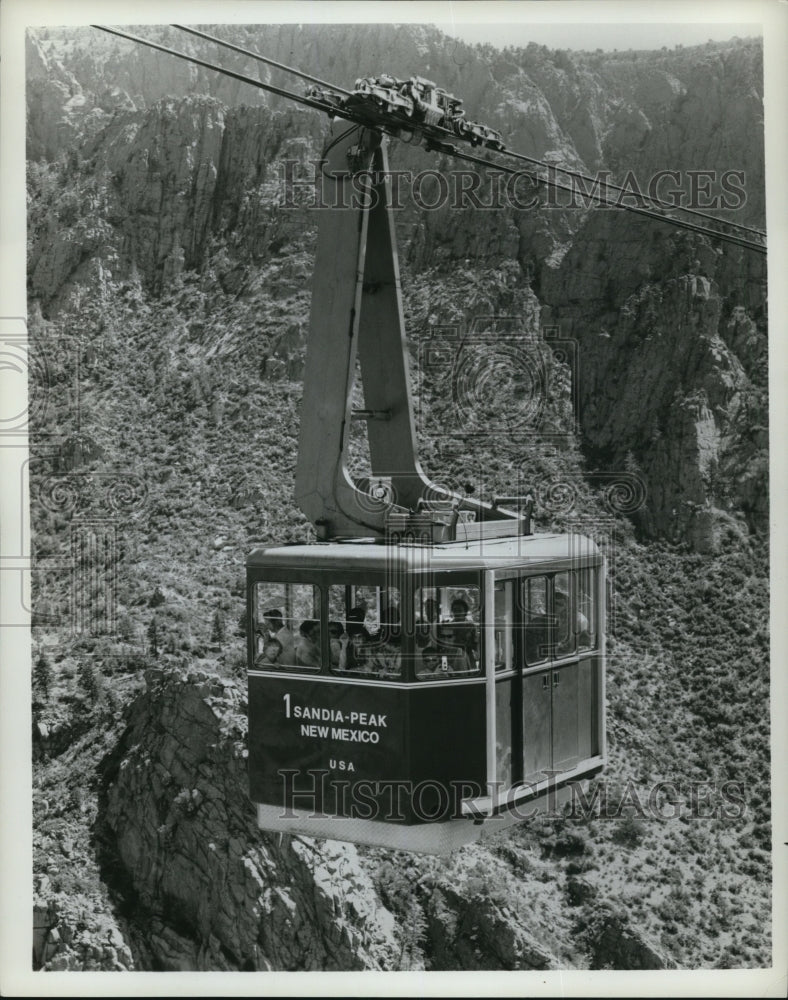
(318, 598)
(509, 585)
(368, 675)
(445, 581)
(577, 651)
(593, 618)
(521, 612)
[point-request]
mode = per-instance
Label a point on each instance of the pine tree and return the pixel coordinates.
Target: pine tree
(243, 622)
(153, 637)
(42, 675)
(219, 632)
(126, 628)
(89, 682)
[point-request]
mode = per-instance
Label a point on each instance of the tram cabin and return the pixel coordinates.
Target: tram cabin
(417, 697)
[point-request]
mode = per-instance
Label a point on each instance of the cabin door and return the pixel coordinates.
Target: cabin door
(537, 727)
(549, 731)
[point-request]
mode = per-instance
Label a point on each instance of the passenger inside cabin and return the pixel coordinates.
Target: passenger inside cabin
(432, 662)
(274, 626)
(459, 610)
(386, 660)
(426, 630)
(564, 637)
(335, 633)
(454, 659)
(363, 653)
(385, 656)
(271, 654)
(391, 627)
(460, 636)
(353, 647)
(358, 616)
(272, 621)
(307, 646)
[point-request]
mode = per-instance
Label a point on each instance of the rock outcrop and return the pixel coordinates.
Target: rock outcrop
(203, 887)
(161, 186)
(672, 348)
(614, 944)
(68, 935)
(483, 936)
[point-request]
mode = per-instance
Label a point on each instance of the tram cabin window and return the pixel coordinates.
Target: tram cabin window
(504, 619)
(585, 590)
(536, 619)
(365, 630)
(562, 609)
(448, 640)
(574, 608)
(287, 626)
(559, 613)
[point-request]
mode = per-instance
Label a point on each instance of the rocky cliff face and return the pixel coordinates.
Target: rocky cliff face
(671, 328)
(159, 188)
(204, 888)
(672, 371)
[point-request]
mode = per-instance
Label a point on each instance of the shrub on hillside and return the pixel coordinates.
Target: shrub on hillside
(630, 831)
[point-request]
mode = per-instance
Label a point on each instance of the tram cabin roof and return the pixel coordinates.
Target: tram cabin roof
(494, 553)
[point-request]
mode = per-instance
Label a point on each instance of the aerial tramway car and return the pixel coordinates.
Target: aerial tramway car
(475, 692)
(428, 670)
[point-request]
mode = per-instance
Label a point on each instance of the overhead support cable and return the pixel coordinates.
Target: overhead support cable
(400, 121)
(279, 91)
(681, 223)
(261, 58)
(646, 199)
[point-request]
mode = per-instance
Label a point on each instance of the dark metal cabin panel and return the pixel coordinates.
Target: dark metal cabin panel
(588, 708)
(537, 735)
(355, 732)
(564, 684)
(504, 700)
(447, 742)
